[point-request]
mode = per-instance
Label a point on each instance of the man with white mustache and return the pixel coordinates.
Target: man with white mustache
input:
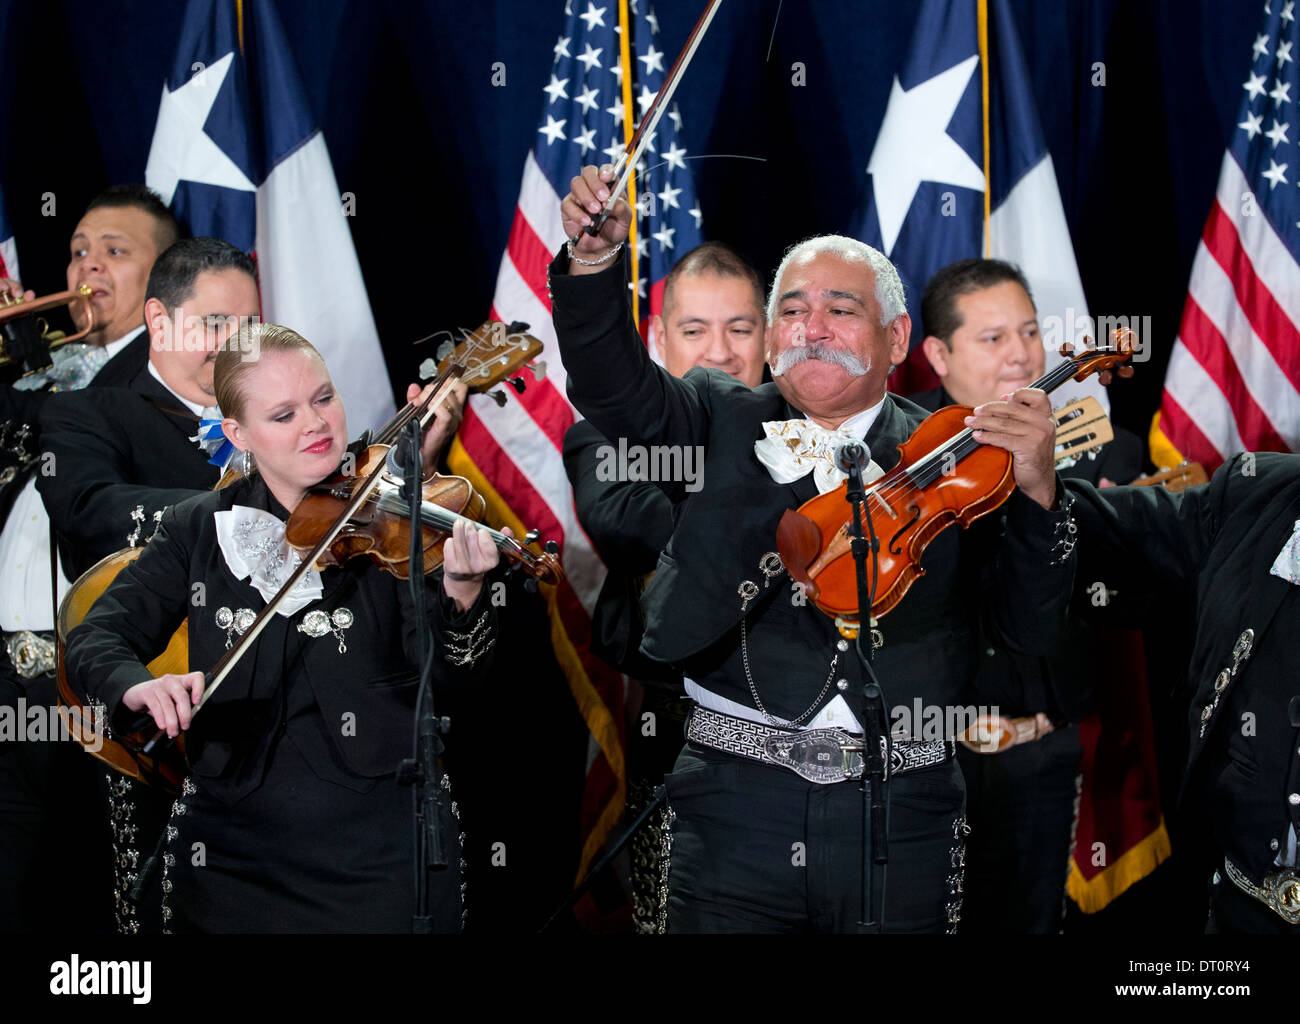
(753, 845)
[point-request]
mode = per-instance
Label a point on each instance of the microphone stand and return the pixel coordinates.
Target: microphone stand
(875, 728)
(422, 770)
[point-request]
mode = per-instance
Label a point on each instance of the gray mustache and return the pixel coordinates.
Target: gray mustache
(850, 363)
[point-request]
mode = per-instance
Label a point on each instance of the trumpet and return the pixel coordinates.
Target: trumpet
(27, 337)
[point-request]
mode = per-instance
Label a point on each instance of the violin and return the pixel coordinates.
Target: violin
(944, 476)
(483, 359)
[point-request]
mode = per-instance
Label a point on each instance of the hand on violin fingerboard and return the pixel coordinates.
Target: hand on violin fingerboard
(467, 555)
(446, 421)
(588, 193)
(1022, 423)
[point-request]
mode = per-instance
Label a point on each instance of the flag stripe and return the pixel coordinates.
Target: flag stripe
(1273, 330)
(1194, 445)
(1207, 345)
(1214, 292)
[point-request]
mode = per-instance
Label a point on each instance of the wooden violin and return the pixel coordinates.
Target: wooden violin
(944, 476)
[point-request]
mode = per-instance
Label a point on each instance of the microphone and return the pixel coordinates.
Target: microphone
(852, 455)
(398, 459)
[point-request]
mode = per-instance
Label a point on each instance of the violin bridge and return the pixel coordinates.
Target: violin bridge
(881, 498)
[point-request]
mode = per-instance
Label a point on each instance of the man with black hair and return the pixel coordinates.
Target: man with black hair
(112, 249)
(983, 340)
(712, 317)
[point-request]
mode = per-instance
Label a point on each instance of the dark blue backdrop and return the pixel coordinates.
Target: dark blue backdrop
(433, 151)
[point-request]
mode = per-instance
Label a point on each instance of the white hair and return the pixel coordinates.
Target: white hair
(889, 287)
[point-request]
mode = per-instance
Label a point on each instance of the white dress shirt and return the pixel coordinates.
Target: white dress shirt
(25, 601)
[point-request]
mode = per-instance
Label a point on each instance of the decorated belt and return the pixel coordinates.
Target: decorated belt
(1280, 891)
(31, 653)
(822, 756)
(992, 734)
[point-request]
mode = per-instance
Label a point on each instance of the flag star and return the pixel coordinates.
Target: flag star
(554, 129)
(1260, 49)
(674, 156)
(616, 112)
(699, 217)
(586, 139)
(1255, 85)
(634, 7)
(616, 69)
(669, 197)
(1281, 92)
(594, 16)
(1253, 125)
(638, 285)
(614, 150)
(642, 246)
(1283, 54)
(181, 149)
(561, 48)
(568, 8)
(654, 22)
(591, 58)
(650, 141)
(556, 89)
(914, 146)
(645, 99)
(675, 116)
(664, 236)
(1287, 8)
(1277, 133)
(1275, 174)
(653, 60)
(588, 99)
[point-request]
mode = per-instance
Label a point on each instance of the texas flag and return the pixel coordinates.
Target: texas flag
(238, 155)
(929, 176)
(8, 250)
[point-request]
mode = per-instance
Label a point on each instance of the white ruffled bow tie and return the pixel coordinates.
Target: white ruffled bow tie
(252, 542)
(791, 449)
(1287, 564)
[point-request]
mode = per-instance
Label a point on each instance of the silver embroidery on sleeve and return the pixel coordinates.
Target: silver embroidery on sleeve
(464, 649)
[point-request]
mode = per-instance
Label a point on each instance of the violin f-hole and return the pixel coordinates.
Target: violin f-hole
(916, 514)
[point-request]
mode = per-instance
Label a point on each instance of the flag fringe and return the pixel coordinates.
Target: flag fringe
(1135, 864)
(594, 711)
(1163, 453)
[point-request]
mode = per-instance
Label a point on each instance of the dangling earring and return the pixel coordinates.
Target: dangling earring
(247, 463)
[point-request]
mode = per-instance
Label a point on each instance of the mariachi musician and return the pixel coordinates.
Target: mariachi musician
(292, 818)
(754, 845)
(42, 784)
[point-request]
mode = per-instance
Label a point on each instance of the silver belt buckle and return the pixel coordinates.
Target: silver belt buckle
(822, 756)
(1280, 891)
(31, 654)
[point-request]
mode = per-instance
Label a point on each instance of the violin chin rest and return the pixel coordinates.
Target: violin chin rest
(799, 542)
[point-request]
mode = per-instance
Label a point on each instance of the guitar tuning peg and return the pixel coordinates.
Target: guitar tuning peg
(1126, 372)
(532, 536)
(551, 548)
(517, 383)
(516, 327)
(445, 349)
(539, 369)
(499, 397)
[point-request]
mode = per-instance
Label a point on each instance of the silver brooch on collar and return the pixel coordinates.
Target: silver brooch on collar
(234, 622)
(319, 623)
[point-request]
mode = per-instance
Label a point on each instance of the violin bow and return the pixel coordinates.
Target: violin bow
(645, 130)
(218, 673)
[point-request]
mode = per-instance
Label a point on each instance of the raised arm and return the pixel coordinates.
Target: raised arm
(612, 379)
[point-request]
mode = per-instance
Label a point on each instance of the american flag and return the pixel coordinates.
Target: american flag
(1234, 372)
(238, 155)
(603, 78)
(8, 250)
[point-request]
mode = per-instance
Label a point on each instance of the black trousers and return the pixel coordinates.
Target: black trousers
(756, 848)
(1021, 805)
(55, 852)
